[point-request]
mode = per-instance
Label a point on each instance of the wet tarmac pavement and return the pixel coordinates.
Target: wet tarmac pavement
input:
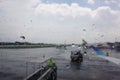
(14, 65)
(92, 68)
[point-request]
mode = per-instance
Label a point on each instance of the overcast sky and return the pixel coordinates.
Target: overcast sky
(57, 21)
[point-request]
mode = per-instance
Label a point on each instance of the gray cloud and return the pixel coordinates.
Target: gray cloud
(55, 23)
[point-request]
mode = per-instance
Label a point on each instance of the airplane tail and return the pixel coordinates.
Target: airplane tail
(98, 52)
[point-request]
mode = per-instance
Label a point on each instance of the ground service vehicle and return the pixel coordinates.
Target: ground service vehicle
(76, 56)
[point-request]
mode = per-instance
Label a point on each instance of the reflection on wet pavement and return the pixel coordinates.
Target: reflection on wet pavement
(13, 65)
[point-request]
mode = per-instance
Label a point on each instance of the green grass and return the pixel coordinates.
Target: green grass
(24, 46)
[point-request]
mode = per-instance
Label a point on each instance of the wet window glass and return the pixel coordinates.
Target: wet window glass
(59, 39)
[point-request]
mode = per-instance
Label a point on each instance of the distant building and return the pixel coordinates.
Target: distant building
(103, 46)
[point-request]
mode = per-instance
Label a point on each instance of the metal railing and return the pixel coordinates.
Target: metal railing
(44, 73)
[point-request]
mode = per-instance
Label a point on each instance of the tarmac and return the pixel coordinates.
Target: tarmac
(92, 68)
